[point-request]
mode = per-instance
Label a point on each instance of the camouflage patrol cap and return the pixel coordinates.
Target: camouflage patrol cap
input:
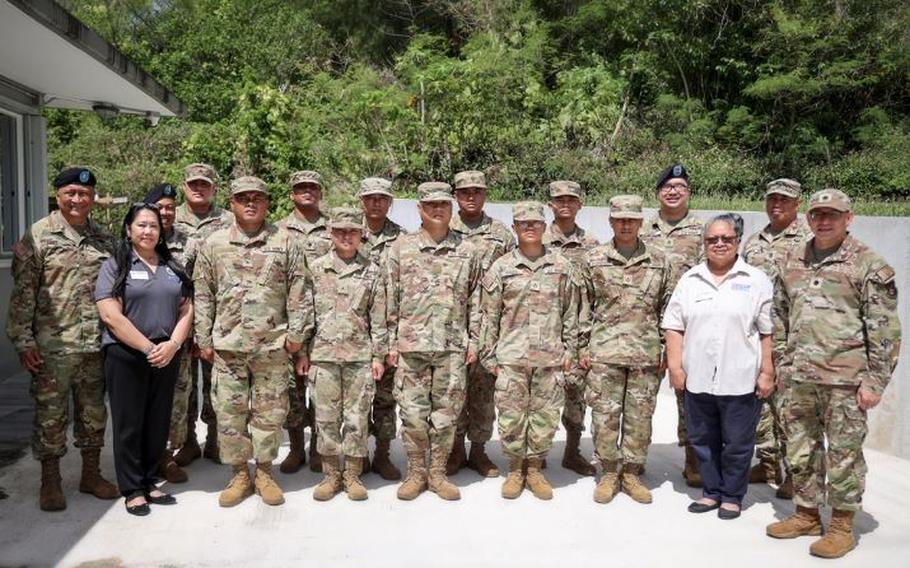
(626, 207)
(375, 186)
(305, 176)
(784, 186)
(345, 218)
(248, 183)
(830, 199)
(434, 191)
(470, 178)
(528, 211)
(565, 187)
(204, 172)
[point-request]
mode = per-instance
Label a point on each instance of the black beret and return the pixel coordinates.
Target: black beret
(78, 176)
(674, 171)
(160, 191)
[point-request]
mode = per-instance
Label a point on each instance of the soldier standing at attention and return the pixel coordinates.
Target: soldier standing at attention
(493, 239)
(621, 347)
(566, 200)
(677, 232)
(530, 342)
(836, 343)
(307, 225)
(254, 308)
(346, 353)
(379, 232)
(54, 327)
(434, 324)
(765, 250)
(198, 218)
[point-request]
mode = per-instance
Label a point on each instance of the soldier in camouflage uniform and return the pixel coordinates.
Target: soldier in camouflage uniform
(566, 200)
(54, 327)
(530, 342)
(493, 239)
(765, 250)
(836, 344)
(433, 319)
(346, 353)
(677, 232)
(379, 232)
(307, 225)
(197, 218)
(254, 307)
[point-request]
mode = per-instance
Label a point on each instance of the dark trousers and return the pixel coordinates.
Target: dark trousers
(722, 433)
(141, 397)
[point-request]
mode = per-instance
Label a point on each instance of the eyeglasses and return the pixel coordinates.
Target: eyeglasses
(680, 187)
(254, 199)
(721, 239)
(830, 215)
(529, 225)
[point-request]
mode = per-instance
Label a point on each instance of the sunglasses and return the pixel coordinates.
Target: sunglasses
(723, 239)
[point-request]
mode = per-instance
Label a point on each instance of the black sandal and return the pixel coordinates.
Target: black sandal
(164, 499)
(138, 510)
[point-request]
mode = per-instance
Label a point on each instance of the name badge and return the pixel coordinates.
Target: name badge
(741, 287)
(139, 275)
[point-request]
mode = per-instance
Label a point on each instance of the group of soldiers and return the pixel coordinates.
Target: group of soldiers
(327, 321)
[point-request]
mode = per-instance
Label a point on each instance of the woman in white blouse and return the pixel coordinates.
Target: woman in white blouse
(717, 327)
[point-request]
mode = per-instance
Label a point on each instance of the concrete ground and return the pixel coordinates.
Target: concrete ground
(480, 530)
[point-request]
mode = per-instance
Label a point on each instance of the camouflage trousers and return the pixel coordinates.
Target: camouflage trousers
(770, 441)
(682, 433)
(180, 407)
(430, 390)
(83, 375)
(529, 400)
(250, 392)
(382, 421)
(573, 413)
(343, 394)
(300, 415)
(479, 411)
(814, 414)
(622, 401)
(197, 367)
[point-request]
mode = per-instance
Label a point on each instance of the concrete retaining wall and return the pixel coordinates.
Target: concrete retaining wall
(889, 426)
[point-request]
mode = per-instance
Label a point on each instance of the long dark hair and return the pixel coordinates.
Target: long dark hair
(125, 248)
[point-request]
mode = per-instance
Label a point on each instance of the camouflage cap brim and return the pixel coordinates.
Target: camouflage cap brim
(626, 215)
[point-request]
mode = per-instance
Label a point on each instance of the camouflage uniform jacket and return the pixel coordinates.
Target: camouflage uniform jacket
(252, 292)
(574, 247)
(313, 238)
(182, 248)
(350, 310)
(530, 311)
(52, 307)
(433, 293)
(835, 321)
(492, 237)
(201, 227)
(627, 298)
(681, 243)
(766, 250)
(374, 245)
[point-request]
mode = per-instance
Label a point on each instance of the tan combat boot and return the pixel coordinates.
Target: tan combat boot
(315, 458)
(572, 458)
(608, 486)
(169, 470)
(458, 458)
(536, 482)
(515, 481)
(804, 522)
(331, 484)
(480, 462)
(210, 451)
(382, 463)
(437, 481)
(265, 484)
(91, 480)
(785, 489)
(238, 488)
(416, 481)
(632, 485)
(352, 485)
(190, 450)
(765, 471)
(297, 456)
(690, 471)
(839, 540)
(51, 497)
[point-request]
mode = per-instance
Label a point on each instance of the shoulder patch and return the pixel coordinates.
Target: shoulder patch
(885, 274)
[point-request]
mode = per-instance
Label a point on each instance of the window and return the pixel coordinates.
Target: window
(12, 200)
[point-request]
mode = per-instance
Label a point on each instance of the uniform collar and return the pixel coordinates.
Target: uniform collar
(298, 224)
(185, 215)
(343, 268)
(557, 236)
(797, 228)
(847, 250)
(60, 225)
(457, 224)
(425, 241)
(239, 237)
(390, 230)
(519, 259)
(666, 228)
(641, 254)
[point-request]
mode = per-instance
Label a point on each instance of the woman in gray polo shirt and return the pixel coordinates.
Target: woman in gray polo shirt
(718, 333)
(145, 301)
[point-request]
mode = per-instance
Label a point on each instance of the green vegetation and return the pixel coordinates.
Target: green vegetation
(606, 92)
